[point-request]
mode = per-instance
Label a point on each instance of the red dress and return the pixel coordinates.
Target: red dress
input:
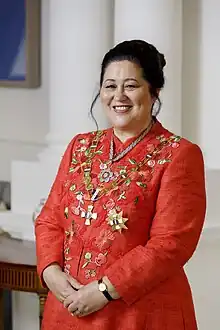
(143, 225)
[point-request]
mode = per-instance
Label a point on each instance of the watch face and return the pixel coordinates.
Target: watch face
(102, 287)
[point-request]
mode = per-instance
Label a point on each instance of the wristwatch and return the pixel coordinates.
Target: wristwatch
(103, 288)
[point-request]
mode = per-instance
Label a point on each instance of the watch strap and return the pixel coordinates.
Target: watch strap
(105, 292)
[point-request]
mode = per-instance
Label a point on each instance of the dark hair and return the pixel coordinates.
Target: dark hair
(147, 57)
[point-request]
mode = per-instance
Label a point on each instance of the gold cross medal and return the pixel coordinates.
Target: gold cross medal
(88, 215)
(116, 220)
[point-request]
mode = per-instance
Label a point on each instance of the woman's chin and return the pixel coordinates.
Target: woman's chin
(121, 123)
(121, 126)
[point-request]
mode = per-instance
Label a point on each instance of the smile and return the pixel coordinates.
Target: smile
(122, 108)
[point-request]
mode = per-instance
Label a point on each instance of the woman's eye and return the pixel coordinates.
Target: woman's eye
(110, 86)
(130, 86)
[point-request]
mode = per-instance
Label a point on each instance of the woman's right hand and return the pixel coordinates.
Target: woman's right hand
(59, 283)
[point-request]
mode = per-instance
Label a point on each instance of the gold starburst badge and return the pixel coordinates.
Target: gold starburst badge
(116, 220)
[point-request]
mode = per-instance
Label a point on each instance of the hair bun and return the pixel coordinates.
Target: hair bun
(162, 60)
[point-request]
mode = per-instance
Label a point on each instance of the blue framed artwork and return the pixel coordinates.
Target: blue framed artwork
(20, 43)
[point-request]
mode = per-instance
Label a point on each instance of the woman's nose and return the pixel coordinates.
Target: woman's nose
(119, 94)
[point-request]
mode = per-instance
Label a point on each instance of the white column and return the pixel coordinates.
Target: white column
(160, 23)
(80, 34)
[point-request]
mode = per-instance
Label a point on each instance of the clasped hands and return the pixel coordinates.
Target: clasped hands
(81, 301)
(88, 299)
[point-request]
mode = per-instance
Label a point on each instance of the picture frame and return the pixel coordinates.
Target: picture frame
(20, 44)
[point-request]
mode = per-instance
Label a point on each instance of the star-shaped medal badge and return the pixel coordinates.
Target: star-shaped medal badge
(116, 220)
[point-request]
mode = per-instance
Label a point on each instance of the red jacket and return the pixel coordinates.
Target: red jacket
(161, 203)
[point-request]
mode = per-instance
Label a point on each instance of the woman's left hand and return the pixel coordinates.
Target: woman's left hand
(85, 301)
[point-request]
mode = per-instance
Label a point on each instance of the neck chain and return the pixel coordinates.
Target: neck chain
(114, 157)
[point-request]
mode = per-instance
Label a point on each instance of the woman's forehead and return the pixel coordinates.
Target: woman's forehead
(122, 70)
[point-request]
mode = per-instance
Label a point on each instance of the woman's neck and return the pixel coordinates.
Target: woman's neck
(126, 134)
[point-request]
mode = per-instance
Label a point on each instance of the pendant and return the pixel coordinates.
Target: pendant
(106, 174)
(88, 215)
(116, 220)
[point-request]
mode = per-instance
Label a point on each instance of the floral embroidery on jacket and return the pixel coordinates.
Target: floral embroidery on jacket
(112, 183)
(104, 240)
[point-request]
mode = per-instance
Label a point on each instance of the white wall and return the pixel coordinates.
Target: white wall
(200, 98)
(201, 72)
(24, 114)
(203, 272)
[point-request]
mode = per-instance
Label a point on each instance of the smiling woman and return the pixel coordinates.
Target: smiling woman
(20, 43)
(125, 212)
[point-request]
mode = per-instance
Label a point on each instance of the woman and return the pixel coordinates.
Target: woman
(125, 212)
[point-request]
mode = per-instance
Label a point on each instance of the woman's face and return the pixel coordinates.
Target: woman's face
(125, 96)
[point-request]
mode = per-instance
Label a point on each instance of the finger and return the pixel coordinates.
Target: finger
(73, 313)
(74, 283)
(77, 313)
(83, 311)
(83, 314)
(67, 301)
(80, 311)
(72, 307)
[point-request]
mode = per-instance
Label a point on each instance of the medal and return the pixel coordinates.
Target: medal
(116, 220)
(88, 215)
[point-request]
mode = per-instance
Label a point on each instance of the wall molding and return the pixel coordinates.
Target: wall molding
(19, 226)
(14, 142)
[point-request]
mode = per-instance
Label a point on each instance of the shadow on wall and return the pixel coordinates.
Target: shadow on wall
(191, 69)
(213, 193)
(5, 195)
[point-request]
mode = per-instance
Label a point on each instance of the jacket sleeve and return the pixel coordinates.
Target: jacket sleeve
(175, 230)
(49, 231)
